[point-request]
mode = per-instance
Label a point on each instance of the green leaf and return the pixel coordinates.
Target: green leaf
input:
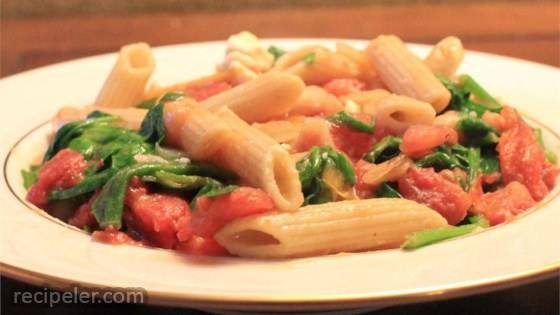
(480, 93)
(108, 206)
(478, 132)
(276, 52)
(184, 182)
(153, 126)
(386, 191)
(167, 97)
(309, 59)
(489, 164)
(343, 118)
(31, 176)
(212, 189)
(384, 150)
(427, 237)
(549, 155)
(87, 185)
(473, 158)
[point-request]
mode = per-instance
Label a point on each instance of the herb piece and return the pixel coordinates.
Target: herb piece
(427, 237)
(478, 132)
(387, 191)
(489, 164)
(87, 185)
(309, 59)
(469, 84)
(167, 97)
(276, 52)
(325, 173)
(343, 118)
(153, 127)
(384, 150)
(185, 182)
(212, 189)
(31, 176)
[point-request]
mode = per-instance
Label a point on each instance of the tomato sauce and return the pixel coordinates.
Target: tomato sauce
(419, 140)
(343, 87)
(203, 92)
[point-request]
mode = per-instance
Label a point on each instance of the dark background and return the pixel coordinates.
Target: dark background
(35, 33)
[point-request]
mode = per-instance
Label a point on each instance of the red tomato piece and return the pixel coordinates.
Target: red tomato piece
(503, 204)
(203, 92)
(352, 142)
(160, 218)
(202, 246)
(83, 216)
(212, 213)
(522, 159)
(342, 87)
(426, 186)
(113, 236)
(420, 139)
(63, 171)
(550, 173)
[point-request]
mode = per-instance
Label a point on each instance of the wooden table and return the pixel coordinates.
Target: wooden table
(523, 29)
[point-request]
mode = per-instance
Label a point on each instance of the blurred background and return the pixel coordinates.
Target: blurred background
(35, 33)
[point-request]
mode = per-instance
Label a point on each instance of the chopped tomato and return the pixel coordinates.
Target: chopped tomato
(63, 171)
(418, 140)
(503, 204)
(212, 213)
(113, 236)
(352, 142)
(550, 173)
(342, 87)
(203, 92)
(522, 159)
(510, 118)
(160, 218)
(202, 246)
(363, 190)
(426, 186)
(83, 216)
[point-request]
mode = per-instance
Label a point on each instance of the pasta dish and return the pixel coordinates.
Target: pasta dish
(281, 154)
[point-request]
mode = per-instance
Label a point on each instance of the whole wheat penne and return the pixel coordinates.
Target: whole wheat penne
(397, 113)
(446, 56)
(260, 161)
(315, 101)
(131, 117)
(404, 73)
(127, 81)
(317, 65)
(194, 129)
(267, 97)
(345, 226)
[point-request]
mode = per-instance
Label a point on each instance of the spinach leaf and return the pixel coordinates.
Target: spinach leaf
(313, 167)
(108, 206)
(478, 132)
(489, 164)
(384, 150)
(309, 59)
(167, 97)
(212, 189)
(87, 185)
(153, 127)
(31, 176)
(276, 52)
(184, 182)
(343, 118)
(427, 237)
(387, 191)
(469, 84)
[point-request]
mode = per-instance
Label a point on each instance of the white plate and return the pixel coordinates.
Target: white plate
(38, 249)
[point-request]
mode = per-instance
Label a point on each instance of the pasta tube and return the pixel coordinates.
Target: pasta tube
(193, 128)
(260, 161)
(155, 90)
(268, 96)
(446, 56)
(404, 73)
(283, 131)
(397, 113)
(345, 226)
(316, 101)
(126, 83)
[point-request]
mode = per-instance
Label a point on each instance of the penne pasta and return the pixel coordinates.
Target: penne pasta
(317, 65)
(127, 81)
(267, 97)
(194, 129)
(449, 118)
(397, 113)
(261, 161)
(388, 171)
(315, 101)
(155, 90)
(446, 56)
(283, 131)
(345, 226)
(404, 73)
(314, 132)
